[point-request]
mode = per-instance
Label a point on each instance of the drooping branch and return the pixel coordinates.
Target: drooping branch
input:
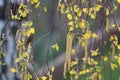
(92, 45)
(99, 28)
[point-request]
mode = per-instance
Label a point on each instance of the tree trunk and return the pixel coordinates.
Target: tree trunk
(8, 29)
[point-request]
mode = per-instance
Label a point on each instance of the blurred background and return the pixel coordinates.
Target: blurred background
(50, 28)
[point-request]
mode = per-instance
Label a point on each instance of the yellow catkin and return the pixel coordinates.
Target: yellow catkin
(107, 24)
(65, 67)
(70, 37)
(86, 51)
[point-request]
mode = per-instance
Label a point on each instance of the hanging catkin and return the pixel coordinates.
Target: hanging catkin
(65, 69)
(86, 51)
(107, 24)
(70, 37)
